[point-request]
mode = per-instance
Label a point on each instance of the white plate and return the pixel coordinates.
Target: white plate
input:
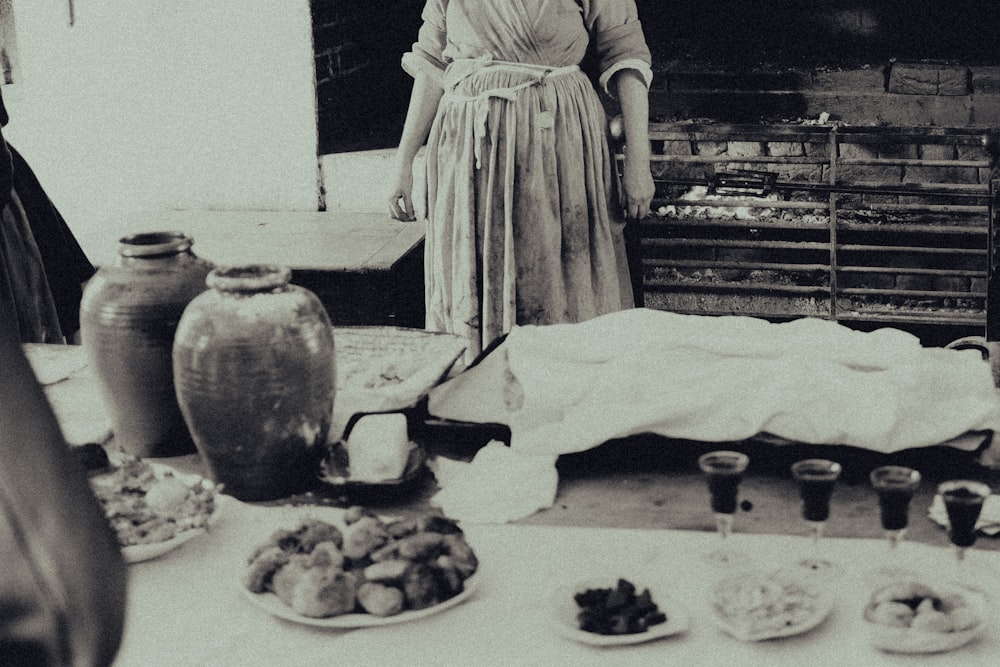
(564, 610)
(906, 640)
(273, 605)
(820, 605)
(137, 553)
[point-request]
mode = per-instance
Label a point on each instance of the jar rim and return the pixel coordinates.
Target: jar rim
(150, 244)
(249, 277)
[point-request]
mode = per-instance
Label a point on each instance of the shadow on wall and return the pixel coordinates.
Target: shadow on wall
(804, 33)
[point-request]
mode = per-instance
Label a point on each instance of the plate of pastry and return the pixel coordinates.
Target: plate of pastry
(366, 572)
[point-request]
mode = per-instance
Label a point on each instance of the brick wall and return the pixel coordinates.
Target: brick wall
(863, 62)
(897, 93)
(362, 93)
(806, 33)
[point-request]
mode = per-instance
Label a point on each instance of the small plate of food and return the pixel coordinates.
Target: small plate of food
(755, 606)
(916, 617)
(366, 572)
(616, 612)
(153, 509)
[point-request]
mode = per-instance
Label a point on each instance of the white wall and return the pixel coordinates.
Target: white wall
(166, 104)
(361, 181)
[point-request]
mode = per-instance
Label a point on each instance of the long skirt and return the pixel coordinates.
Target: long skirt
(523, 221)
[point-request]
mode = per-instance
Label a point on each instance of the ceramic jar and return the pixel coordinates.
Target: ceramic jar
(128, 315)
(254, 367)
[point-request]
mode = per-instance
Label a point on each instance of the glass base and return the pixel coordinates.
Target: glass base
(886, 574)
(821, 568)
(728, 558)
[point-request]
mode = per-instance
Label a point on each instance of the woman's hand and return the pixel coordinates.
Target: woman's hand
(401, 199)
(424, 100)
(637, 188)
(637, 180)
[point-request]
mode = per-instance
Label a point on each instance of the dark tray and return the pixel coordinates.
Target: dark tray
(335, 473)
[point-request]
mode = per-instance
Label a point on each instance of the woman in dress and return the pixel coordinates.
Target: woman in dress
(42, 267)
(524, 218)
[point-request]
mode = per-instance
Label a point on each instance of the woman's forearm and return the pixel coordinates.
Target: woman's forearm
(634, 100)
(424, 99)
(638, 188)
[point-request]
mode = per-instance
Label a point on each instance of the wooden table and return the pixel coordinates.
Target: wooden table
(365, 267)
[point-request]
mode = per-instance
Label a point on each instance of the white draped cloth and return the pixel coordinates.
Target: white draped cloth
(570, 387)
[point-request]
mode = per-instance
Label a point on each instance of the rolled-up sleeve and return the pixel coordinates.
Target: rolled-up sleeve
(617, 39)
(426, 56)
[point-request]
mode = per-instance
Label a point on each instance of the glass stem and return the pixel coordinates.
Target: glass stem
(723, 525)
(961, 570)
(895, 537)
(816, 530)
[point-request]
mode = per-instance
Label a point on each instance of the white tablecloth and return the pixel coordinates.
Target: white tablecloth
(187, 608)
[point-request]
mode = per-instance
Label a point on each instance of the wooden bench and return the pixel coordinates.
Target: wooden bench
(365, 267)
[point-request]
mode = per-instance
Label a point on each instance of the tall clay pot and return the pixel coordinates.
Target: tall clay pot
(128, 315)
(254, 367)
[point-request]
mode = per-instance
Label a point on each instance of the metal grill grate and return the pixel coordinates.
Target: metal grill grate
(865, 224)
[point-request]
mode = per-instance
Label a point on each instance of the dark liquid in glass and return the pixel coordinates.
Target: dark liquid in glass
(895, 506)
(964, 507)
(816, 495)
(724, 486)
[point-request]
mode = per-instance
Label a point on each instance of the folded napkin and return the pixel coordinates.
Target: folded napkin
(989, 519)
(497, 486)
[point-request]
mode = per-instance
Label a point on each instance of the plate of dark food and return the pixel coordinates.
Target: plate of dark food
(365, 572)
(616, 612)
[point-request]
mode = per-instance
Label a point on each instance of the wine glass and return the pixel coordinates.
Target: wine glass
(963, 500)
(723, 472)
(816, 478)
(895, 486)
